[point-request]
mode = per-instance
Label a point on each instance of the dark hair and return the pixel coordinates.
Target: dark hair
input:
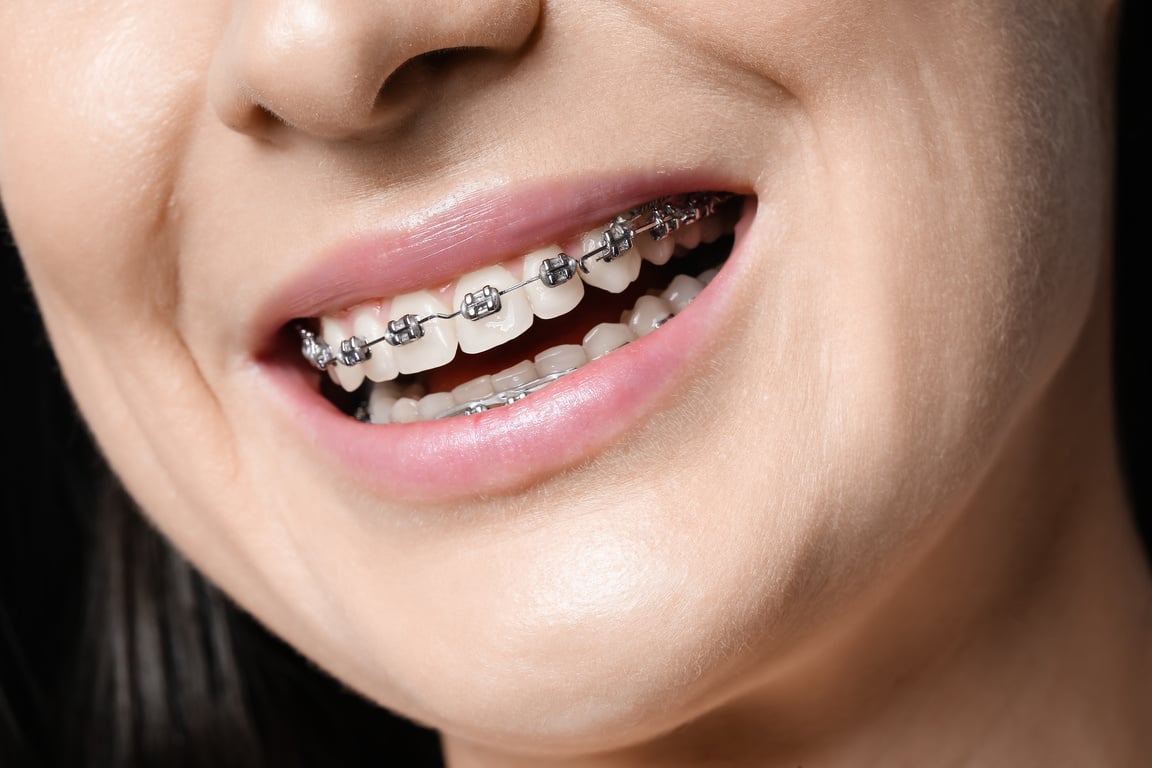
(114, 651)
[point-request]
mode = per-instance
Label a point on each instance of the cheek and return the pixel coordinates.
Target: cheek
(96, 104)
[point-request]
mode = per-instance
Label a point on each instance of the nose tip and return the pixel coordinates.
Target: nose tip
(340, 69)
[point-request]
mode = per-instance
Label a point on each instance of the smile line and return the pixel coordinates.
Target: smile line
(659, 218)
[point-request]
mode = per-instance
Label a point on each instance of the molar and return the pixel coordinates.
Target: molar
(513, 319)
(437, 347)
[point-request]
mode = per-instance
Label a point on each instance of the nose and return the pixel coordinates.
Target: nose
(338, 69)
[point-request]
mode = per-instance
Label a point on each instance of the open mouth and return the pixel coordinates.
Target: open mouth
(497, 335)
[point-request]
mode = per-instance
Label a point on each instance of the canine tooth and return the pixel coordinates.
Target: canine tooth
(612, 276)
(367, 324)
(707, 275)
(513, 319)
(405, 410)
(437, 347)
(654, 251)
(431, 406)
(560, 358)
(605, 338)
(349, 377)
(681, 291)
(519, 374)
(549, 301)
(477, 389)
(649, 314)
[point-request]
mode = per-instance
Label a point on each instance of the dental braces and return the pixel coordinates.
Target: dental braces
(497, 400)
(659, 218)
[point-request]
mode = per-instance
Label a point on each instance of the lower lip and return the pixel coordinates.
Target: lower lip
(510, 448)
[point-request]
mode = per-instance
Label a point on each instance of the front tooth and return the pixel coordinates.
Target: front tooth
(437, 347)
(350, 377)
(513, 319)
(559, 359)
(681, 291)
(657, 252)
(612, 276)
(649, 314)
(367, 324)
(550, 301)
(605, 338)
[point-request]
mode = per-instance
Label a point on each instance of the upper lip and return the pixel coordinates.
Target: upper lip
(411, 251)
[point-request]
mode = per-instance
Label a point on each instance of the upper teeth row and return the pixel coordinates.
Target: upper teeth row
(659, 218)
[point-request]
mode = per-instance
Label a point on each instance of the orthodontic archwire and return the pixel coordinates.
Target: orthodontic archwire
(658, 218)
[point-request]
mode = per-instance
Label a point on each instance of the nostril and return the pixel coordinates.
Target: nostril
(416, 74)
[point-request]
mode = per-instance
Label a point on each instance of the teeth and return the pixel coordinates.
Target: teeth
(418, 331)
(605, 338)
(649, 314)
(350, 377)
(437, 348)
(513, 319)
(655, 251)
(431, 406)
(681, 291)
(516, 376)
(369, 324)
(380, 403)
(711, 228)
(612, 276)
(405, 410)
(688, 237)
(561, 358)
(550, 301)
(388, 402)
(477, 389)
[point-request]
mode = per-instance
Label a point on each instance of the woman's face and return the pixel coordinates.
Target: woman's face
(914, 254)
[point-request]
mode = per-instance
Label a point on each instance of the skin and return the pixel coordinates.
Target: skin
(900, 538)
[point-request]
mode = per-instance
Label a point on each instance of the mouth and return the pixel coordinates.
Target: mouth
(499, 334)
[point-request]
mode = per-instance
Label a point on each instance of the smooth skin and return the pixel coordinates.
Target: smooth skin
(883, 525)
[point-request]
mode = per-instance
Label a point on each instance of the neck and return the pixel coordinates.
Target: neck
(1024, 637)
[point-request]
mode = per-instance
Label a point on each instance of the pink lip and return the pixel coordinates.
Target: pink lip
(474, 231)
(512, 447)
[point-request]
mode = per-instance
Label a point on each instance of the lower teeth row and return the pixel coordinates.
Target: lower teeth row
(390, 402)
